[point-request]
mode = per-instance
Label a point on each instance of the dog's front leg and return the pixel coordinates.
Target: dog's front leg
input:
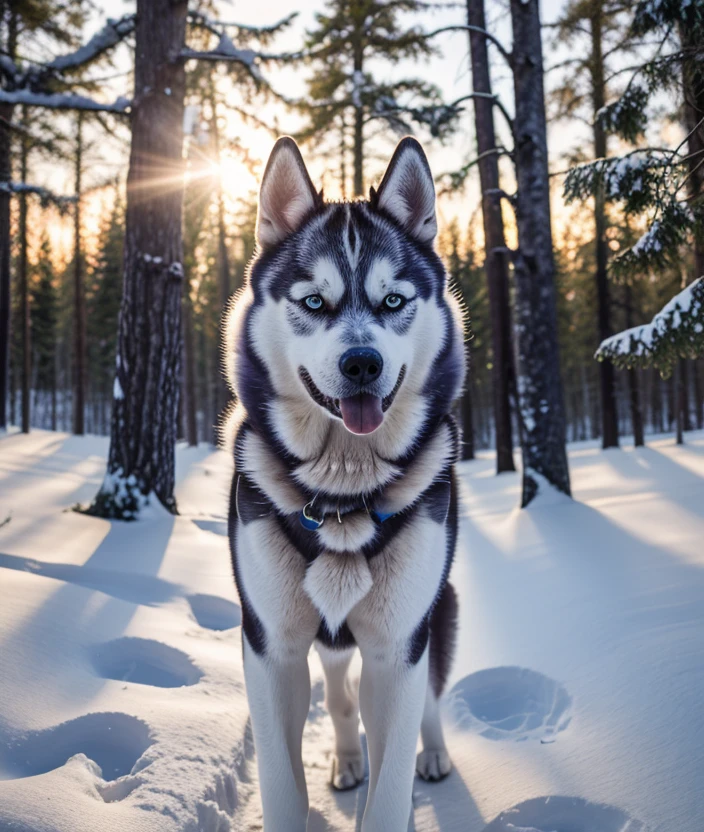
(278, 689)
(391, 697)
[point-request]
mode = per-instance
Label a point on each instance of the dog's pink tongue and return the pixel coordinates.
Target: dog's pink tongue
(361, 413)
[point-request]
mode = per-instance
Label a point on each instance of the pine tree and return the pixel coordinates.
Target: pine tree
(667, 185)
(601, 24)
(44, 319)
(496, 262)
(344, 94)
(539, 382)
(663, 184)
(23, 26)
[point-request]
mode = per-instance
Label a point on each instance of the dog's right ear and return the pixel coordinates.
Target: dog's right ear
(286, 196)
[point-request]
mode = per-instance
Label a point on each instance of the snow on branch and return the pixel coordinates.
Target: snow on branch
(45, 196)
(259, 32)
(636, 179)
(627, 117)
(677, 331)
(226, 51)
(109, 36)
(8, 68)
(661, 241)
(654, 14)
(63, 101)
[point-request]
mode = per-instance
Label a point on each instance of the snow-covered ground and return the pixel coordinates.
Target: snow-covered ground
(576, 703)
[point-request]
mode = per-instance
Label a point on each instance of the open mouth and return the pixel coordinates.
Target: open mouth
(361, 413)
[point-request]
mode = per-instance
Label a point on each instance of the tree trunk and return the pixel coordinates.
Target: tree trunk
(679, 398)
(496, 263)
(693, 83)
(53, 391)
(684, 395)
(672, 407)
(6, 115)
(79, 297)
(634, 392)
(190, 374)
(539, 383)
(698, 397)
(609, 417)
(656, 401)
(24, 286)
(343, 156)
(147, 384)
(224, 288)
(358, 117)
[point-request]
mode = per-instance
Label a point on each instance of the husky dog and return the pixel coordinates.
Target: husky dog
(346, 352)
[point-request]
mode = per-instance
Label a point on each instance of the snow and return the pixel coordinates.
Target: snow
(110, 35)
(574, 702)
(63, 101)
(44, 194)
(357, 88)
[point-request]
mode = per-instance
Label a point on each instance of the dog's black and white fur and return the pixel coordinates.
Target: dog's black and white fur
(346, 353)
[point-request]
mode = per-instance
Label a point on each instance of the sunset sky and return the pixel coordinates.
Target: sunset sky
(107, 155)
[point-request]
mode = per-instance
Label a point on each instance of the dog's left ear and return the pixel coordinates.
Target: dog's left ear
(407, 191)
(286, 196)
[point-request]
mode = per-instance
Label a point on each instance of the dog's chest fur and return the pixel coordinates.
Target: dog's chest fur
(344, 556)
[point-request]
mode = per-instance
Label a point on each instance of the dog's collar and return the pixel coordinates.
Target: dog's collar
(312, 521)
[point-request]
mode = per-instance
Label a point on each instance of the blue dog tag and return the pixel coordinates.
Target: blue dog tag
(308, 521)
(381, 516)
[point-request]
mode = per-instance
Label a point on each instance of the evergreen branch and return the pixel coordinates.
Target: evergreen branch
(636, 179)
(8, 68)
(226, 46)
(109, 36)
(627, 115)
(63, 101)
(217, 26)
(45, 196)
(459, 177)
(656, 14)
(693, 171)
(507, 56)
(657, 248)
(437, 117)
(677, 331)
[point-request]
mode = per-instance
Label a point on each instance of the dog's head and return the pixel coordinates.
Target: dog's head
(346, 315)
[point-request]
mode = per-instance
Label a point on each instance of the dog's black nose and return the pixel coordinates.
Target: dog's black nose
(361, 365)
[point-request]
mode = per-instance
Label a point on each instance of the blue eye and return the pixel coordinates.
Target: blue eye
(314, 302)
(394, 302)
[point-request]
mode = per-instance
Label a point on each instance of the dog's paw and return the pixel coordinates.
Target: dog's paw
(347, 770)
(433, 764)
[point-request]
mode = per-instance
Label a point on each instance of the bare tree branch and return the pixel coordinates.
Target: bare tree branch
(497, 103)
(466, 28)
